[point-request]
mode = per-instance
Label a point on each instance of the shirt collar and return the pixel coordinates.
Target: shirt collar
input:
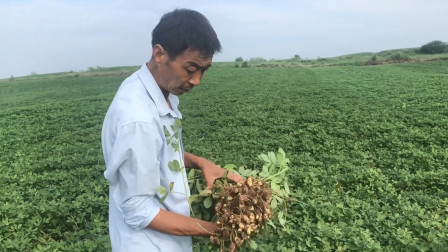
(156, 94)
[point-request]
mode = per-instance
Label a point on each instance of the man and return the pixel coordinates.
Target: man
(141, 137)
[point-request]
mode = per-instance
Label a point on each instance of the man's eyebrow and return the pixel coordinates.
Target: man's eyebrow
(199, 66)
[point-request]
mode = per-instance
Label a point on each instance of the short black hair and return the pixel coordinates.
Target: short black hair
(184, 29)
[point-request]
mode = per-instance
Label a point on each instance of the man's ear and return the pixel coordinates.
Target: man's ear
(159, 53)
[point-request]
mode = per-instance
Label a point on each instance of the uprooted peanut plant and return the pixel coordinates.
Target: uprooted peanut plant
(241, 210)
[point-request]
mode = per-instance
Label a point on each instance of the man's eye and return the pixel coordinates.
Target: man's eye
(191, 70)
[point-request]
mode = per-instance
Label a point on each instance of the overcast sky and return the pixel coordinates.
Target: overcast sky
(47, 36)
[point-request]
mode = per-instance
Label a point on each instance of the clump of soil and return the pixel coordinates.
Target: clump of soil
(241, 211)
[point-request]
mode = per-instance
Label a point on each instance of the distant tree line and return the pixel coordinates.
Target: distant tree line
(434, 47)
(261, 59)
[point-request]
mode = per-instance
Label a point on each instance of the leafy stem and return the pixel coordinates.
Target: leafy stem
(278, 173)
(174, 141)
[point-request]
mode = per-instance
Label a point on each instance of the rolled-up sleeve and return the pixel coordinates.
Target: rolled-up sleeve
(139, 211)
(135, 168)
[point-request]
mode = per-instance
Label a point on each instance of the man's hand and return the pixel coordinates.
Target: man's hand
(210, 171)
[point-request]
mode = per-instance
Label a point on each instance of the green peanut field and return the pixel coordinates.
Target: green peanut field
(368, 147)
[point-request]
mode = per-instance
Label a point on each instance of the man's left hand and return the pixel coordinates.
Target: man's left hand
(211, 172)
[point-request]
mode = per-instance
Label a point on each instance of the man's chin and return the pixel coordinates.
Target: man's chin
(182, 91)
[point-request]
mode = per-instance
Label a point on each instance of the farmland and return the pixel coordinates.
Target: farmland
(368, 147)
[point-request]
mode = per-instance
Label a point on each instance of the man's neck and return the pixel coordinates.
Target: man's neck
(152, 67)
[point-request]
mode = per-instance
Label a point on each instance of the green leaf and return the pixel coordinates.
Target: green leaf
(171, 186)
(208, 202)
(273, 204)
(272, 168)
(274, 186)
(164, 197)
(270, 223)
(161, 190)
(230, 167)
(252, 244)
(280, 150)
(241, 170)
(246, 172)
(272, 157)
(206, 192)
(285, 183)
(266, 169)
(166, 132)
(265, 158)
(178, 122)
(206, 215)
(198, 185)
(280, 158)
(193, 198)
(224, 176)
(176, 146)
(191, 174)
(282, 221)
(279, 199)
(174, 166)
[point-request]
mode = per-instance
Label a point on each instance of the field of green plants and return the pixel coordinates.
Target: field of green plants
(368, 147)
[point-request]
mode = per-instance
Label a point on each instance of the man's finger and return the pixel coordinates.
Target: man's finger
(234, 177)
(210, 185)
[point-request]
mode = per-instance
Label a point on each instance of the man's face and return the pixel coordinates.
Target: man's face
(182, 74)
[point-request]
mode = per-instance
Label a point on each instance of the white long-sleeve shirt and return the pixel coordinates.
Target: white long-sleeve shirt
(137, 154)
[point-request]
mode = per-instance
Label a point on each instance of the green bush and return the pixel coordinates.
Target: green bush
(372, 61)
(398, 57)
(434, 47)
(258, 59)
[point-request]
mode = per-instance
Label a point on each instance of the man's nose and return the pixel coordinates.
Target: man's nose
(196, 79)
